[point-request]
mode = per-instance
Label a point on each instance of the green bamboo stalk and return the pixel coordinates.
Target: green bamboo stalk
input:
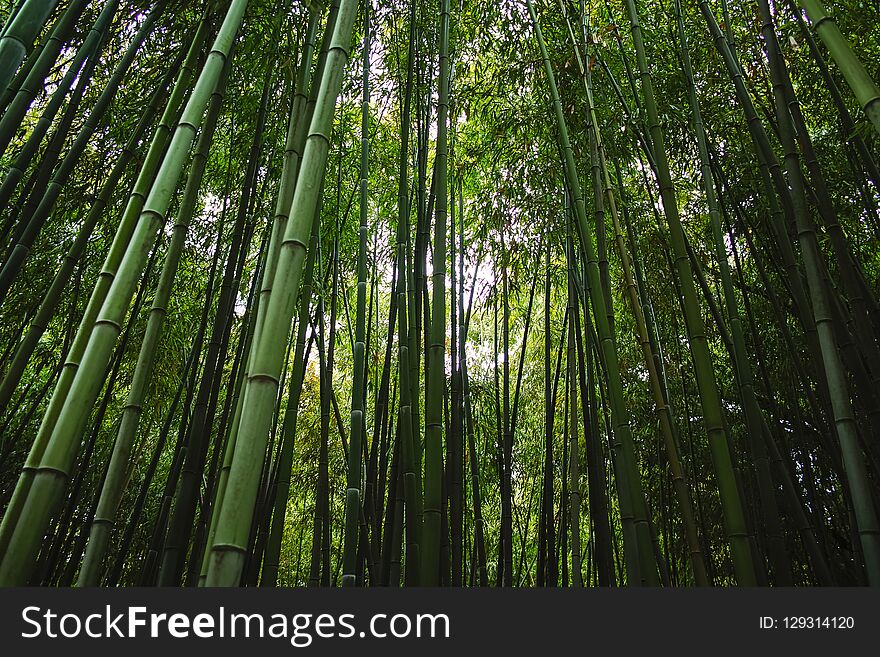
(234, 521)
(301, 111)
(288, 432)
(863, 86)
(846, 118)
(436, 377)
(574, 486)
(407, 355)
(358, 393)
(9, 93)
(545, 518)
(19, 34)
(289, 426)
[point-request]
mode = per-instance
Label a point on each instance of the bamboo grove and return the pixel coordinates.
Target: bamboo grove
(451, 293)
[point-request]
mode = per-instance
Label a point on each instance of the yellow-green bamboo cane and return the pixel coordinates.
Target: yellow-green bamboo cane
(863, 86)
(236, 512)
(114, 481)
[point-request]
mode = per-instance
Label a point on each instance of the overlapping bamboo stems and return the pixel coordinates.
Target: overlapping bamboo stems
(780, 207)
(236, 510)
(279, 494)
(478, 574)
(187, 495)
(572, 429)
(870, 170)
(358, 424)
(408, 432)
(511, 413)
(18, 79)
(112, 489)
(753, 415)
(43, 197)
(49, 303)
(39, 175)
(288, 431)
(436, 377)
(62, 524)
(121, 239)
(33, 82)
(784, 472)
(863, 307)
(756, 422)
(149, 572)
(732, 506)
(637, 543)
(600, 472)
(214, 485)
(814, 401)
(505, 434)
(371, 497)
(602, 185)
(547, 562)
(51, 475)
(383, 436)
(319, 566)
(794, 206)
(216, 469)
(863, 86)
(845, 422)
(123, 554)
(79, 71)
(301, 109)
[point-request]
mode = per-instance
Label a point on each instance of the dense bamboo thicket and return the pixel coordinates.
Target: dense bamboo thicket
(451, 293)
